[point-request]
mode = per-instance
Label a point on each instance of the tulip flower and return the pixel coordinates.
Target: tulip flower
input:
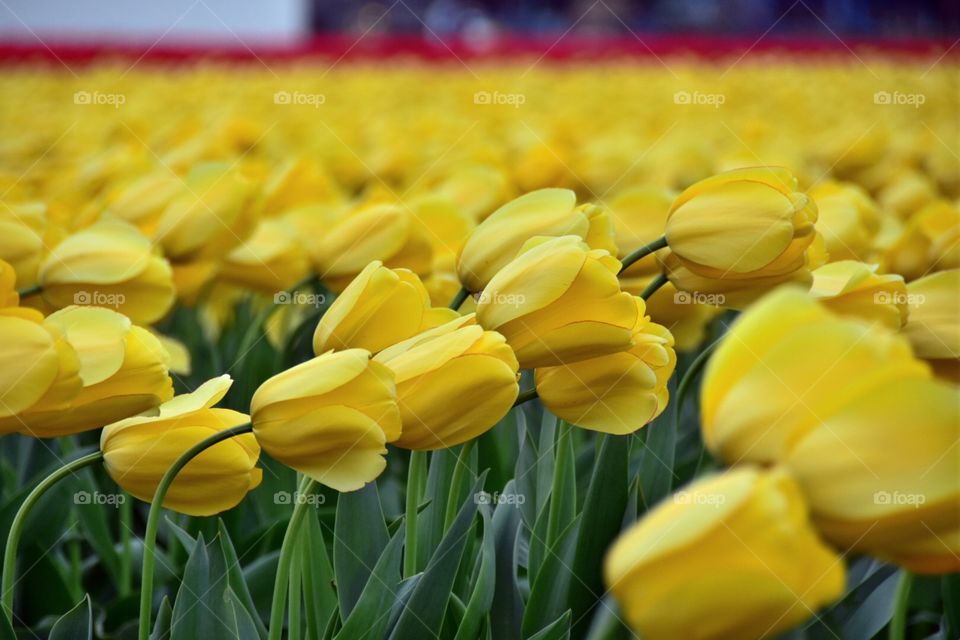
(639, 216)
(142, 200)
(123, 369)
(379, 308)
(139, 450)
(454, 383)
(546, 212)
(933, 327)
(685, 314)
(271, 260)
(558, 302)
(929, 240)
(874, 486)
(741, 232)
(617, 393)
(847, 218)
(329, 418)
(854, 289)
(109, 264)
(788, 364)
(23, 229)
(384, 232)
(731, 556)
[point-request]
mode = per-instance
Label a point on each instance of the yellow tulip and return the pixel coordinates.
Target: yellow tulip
(875, 486)
(617, 393)
(740, 233)
(907, 193)
(546, 212)
(329, 418)
(23, 228)
(476, 188)
(933, 327)
(639, 217)
(930, 553)
(297, 183)
(384, 232)
(109, 264)
(854, 289)
(558, 302)
(454, 383)
(443, 224)
(684, 314)
(929, 240)
(379, 308)
(788, 364)
(270, 260)
(847, 218)
(123, 368)
(142, 200)
(731, 556)
(139, 450)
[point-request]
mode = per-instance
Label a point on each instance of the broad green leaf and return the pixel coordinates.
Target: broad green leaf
(557, 630)
(187, 541)
(371, 615)
(235, 581)
(360, 536)
(318, 592)
(874, 612)
(76, 624)
(246, 627)
(548, 594)
(482, 597)
(507, 602)
(201, 610)
(161, 627)
(563, 492)
(96, 527)
(430, 522)
(259, 576)
(657, 459)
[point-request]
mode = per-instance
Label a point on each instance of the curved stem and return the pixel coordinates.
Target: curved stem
(416, 484)
(153, 519)
(654, 285)
(255, 328)
(287, 552)
(16, 528)
(525, 396)
(459, 298)
(463, 463)
(898, 624)
(30, 291)
(643, 252)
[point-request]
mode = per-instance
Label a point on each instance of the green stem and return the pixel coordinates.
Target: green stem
(459, 298)
(30, 291)
(16, 527)
(416, 485)
(643, 252)
(453, 502)
(287, 550)
(901, 601)
(153, 519)
(255, 328)
(654, 285)
(126, 526)
(559, 471)
(525, 396)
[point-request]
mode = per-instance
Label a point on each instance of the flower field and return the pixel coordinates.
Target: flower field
(656, 348)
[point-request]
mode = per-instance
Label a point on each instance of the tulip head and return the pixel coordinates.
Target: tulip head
(329, 418)
(270, 260)
(639, 217)
(854, 289)
(380, 307)
(109, 264)
(558, 302)
(546, 212)
(454, 383)
(617, 393)
(933, 326)
(847, 218)
(930, 239)
(138, 451)
(731, 556)
(23, 228)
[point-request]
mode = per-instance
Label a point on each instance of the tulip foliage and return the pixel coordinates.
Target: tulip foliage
(397, 365)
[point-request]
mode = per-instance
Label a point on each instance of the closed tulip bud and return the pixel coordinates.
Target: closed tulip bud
(899, 485)
(123, 369)
(329, 418)
(141, 201)
(23, 228)
(546, 212)
(744, 231)
(639, 216)
(933, 327)
(454, 383)
(847, 218)
(379, 308)
(617, 393)
(906, 193)
(787, 365)
(109, 264)
(558, 302)
(731, 556)
(138, 451)
(270, 260)
(929, 240)
(854, 289)
(384, 232)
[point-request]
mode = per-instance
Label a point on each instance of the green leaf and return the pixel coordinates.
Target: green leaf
(950, 587)
(360, 536)
(76, 624)
(430, 522)
(557, 630)
(874, 612)
(161, 628)
(96, 527)
(6, 628)
(318, 591)
(657, 461)
(506, 594)
(482, 597)
(201, 609)
(602, 515)
(548, 595)
(235, 581)
(246, 626)
(563, 492)
(423, 615)
(187, 541)
(370, 616)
